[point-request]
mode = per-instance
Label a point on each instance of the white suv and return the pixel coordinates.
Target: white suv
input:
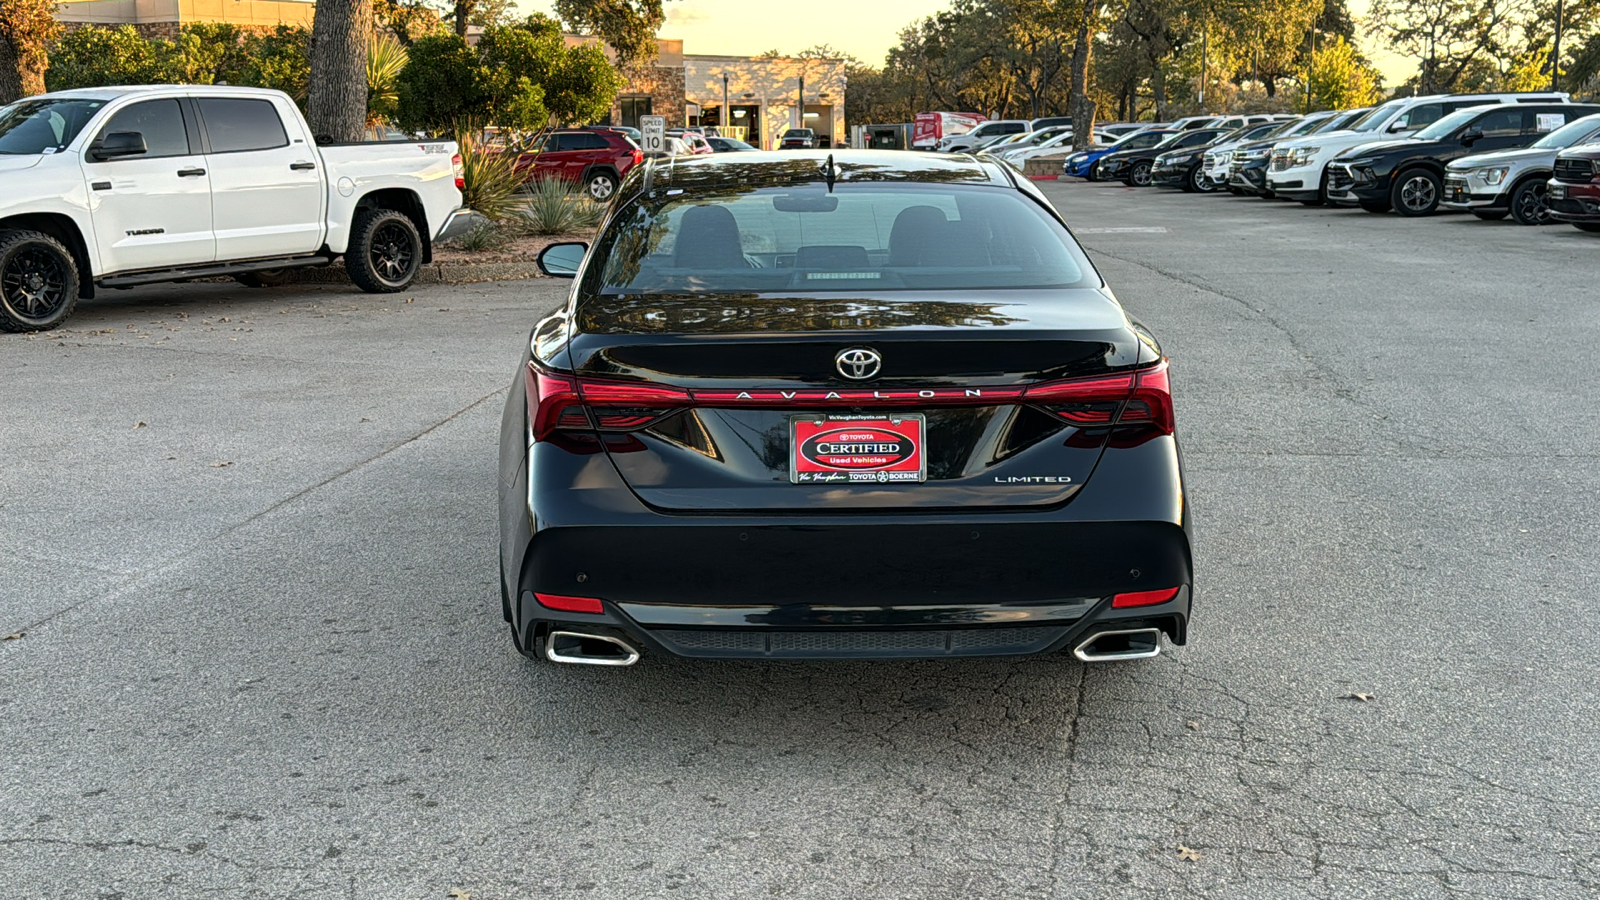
(965, 143)
(1298, 169)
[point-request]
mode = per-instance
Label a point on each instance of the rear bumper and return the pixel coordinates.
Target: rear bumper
(893, 585)
(458, 223)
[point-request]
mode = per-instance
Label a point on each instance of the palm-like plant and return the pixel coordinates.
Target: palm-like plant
(386, 58)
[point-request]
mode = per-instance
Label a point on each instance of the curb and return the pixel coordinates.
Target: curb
(432, 273)
(1044, 177)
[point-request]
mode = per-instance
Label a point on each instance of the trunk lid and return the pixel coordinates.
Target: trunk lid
(745, 369)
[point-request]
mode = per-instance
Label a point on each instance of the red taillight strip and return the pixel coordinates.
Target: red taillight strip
(570, 604)
(1146, 392)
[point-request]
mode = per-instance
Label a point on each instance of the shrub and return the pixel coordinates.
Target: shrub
(483, 236)
(490, 179)
(551, 208)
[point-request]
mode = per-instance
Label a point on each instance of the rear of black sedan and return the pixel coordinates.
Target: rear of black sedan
(859, 405)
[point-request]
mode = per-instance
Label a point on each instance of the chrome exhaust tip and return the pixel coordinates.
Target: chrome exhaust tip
(1112, 646)
(585, 649)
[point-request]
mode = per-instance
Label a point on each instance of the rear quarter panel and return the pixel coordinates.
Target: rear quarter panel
(356, 170)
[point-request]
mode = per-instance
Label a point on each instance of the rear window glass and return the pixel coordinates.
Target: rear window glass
(863, 237)
(235, 125)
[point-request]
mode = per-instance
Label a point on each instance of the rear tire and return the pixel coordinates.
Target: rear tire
(385, 251)
(600, 186)
(38, 282)
(1528, 204)
(1375, 206)
(1416, 192)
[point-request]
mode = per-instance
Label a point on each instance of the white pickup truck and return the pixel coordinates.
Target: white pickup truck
(119, 186)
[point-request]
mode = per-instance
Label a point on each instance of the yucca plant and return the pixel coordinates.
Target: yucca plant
(482, 237)
(586, 213)
(490, 178)
(550, 209)
(386, 59)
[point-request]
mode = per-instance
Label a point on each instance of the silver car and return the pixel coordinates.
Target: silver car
(1492, 185)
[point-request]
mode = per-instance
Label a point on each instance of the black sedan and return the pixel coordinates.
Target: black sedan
(1407, 175)
(1134, 166)
(862, 405)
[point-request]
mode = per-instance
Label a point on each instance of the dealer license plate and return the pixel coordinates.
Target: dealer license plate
(857, 449)
(1558, 192)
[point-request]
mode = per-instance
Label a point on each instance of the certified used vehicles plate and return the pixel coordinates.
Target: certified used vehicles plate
(859, 449)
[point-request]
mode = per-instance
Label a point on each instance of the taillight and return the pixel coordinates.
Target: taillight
(638, 156)
(561, 402)
(1143, 598)
(461, 172)
(1144, 397)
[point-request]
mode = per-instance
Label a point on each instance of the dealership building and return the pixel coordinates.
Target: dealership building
(754, 98)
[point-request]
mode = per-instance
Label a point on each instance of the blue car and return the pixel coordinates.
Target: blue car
(1081, 164)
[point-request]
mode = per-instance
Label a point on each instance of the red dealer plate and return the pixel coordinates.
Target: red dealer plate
(857, 449)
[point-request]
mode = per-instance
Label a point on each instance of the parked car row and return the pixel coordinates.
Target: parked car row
(1534, 157)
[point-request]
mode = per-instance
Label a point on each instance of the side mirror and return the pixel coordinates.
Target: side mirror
(1398, 127)
(1471, 136)
(562, 260)
(118, 144)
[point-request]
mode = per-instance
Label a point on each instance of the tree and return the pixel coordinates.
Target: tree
(628, 26)
(441, 83)
(26, 29)
(1083, 108)
(407, 20)
(1341, 79)
(337, 106)
(1449, 36)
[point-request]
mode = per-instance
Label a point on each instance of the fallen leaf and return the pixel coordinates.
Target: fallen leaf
(459, 894)
(1192, 725)
(1364, 698)
(139, 425)
(14, 636)
(222, 465)
(1186, 853)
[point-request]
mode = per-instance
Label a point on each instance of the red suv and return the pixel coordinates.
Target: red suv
(595, 159)
(1574, 192)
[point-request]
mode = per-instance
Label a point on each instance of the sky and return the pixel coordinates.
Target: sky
(865, 29)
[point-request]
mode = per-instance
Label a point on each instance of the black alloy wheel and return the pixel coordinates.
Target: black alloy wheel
(1139, 174)
(1416, 193)
(385, 251)
(1528, 203)
(38, 282)
(1200, 181)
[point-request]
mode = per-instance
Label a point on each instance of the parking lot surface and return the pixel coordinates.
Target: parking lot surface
(248, 539)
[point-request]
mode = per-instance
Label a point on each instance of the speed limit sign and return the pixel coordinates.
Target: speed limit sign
(655, 133)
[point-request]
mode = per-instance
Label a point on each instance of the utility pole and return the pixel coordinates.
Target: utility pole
(1311, 62)
(726, 119)
(800, 109)
(1555, 56)
(1205, 46)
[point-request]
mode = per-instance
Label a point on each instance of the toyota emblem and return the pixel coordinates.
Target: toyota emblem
(858, 363)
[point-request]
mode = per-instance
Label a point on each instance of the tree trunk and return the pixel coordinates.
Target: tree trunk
(26, 29)
(462, 15)
(1158, 91)
(337, 104)
(1082, 107)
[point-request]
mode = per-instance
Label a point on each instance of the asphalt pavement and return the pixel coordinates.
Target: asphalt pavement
(247, 537)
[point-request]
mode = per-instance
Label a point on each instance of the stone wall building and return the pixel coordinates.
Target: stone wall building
(163, 18)
(763, 94)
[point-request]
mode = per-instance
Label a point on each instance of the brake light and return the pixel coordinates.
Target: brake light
(558, 401)
(1143, 598)
(570, 604)
(460, 171)
(561, 402)
(1144, 397)
(638, 156)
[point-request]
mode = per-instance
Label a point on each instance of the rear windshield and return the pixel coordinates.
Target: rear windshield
(860, 237)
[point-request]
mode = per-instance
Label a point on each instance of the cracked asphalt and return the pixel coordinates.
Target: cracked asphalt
(248, 539)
